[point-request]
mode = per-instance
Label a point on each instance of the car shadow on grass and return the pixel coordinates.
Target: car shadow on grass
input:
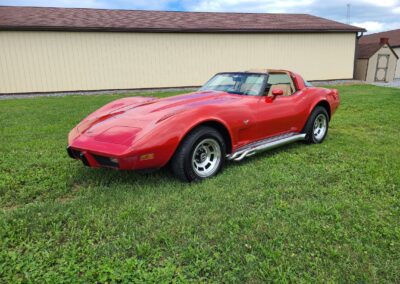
(109, 178)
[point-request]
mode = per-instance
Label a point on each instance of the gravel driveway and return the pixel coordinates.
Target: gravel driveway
(394, 84)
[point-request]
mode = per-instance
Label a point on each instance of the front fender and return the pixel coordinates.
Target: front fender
(166, 136)
(208, 120)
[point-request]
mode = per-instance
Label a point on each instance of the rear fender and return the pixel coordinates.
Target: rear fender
(324, 103)
(328, 98)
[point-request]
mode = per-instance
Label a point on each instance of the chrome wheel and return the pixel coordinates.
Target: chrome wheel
(320, 127)
(206, 157)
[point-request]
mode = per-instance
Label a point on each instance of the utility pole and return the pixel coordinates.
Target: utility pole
(348, 13)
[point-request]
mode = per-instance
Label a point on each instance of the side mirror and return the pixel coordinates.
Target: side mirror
(277, 92)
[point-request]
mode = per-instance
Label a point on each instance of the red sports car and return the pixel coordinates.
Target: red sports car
(233, 116)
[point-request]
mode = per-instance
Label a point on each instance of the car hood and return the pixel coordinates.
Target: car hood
(122, 121)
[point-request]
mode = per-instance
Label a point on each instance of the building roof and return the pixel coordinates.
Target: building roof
(393, 35)
(366, 50)
(36, 18)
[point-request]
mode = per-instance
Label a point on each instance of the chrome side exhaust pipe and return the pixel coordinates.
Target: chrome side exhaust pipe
(267, 144)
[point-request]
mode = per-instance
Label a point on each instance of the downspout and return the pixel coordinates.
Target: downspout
(358, 36)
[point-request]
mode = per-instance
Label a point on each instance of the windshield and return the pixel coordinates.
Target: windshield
(237, 83)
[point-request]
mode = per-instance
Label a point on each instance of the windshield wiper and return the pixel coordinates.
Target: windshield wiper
(236, 93)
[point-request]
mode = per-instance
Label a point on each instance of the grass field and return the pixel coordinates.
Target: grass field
(320, 213)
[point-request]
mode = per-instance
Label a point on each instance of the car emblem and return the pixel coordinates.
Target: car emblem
(246, 122)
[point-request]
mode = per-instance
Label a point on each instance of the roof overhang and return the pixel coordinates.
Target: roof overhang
(103, 20)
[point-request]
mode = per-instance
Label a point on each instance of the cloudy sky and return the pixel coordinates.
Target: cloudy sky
(374, 15)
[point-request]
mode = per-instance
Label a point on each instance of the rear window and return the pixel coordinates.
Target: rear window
(278, 79)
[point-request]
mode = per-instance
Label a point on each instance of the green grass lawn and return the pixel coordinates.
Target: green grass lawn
(319, 213)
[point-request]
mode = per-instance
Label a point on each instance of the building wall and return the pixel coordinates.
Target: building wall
(64, 61)
(397, 74)
(361, 69)
(373, 61)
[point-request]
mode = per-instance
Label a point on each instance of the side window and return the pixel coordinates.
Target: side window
(280, 81)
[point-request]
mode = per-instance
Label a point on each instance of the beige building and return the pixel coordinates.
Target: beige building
(396, 49)
(58, 49)
(394, 41)
(376, 62)
(397, 73)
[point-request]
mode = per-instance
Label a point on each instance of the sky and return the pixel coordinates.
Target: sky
(374, 15)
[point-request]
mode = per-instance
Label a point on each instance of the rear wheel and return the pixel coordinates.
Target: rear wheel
(317, 126)
(201, 155)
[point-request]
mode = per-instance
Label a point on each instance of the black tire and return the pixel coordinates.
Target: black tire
(182, 162)
(311, 136)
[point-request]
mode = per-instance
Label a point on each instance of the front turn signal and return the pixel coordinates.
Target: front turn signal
(146, 157)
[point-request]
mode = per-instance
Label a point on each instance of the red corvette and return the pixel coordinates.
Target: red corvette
(233, 116)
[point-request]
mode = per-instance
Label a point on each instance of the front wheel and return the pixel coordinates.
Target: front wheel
(317, 126)
(201, 155)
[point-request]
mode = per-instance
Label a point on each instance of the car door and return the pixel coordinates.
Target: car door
(280, 114)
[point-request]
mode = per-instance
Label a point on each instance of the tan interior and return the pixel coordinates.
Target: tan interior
(284, 87)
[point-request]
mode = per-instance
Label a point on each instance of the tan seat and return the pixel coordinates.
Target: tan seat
(284, 87)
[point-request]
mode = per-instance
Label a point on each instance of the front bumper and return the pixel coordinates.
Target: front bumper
(93, 160)
(150, 154)
(140, 161)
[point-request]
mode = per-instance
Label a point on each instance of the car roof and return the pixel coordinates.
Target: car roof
(258, 71)
(266, 71)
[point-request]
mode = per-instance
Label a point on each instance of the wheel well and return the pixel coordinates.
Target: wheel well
(325, 105)
(221, 129)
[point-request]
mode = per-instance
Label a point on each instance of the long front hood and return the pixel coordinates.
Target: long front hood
(157, 108)
(124, 121)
